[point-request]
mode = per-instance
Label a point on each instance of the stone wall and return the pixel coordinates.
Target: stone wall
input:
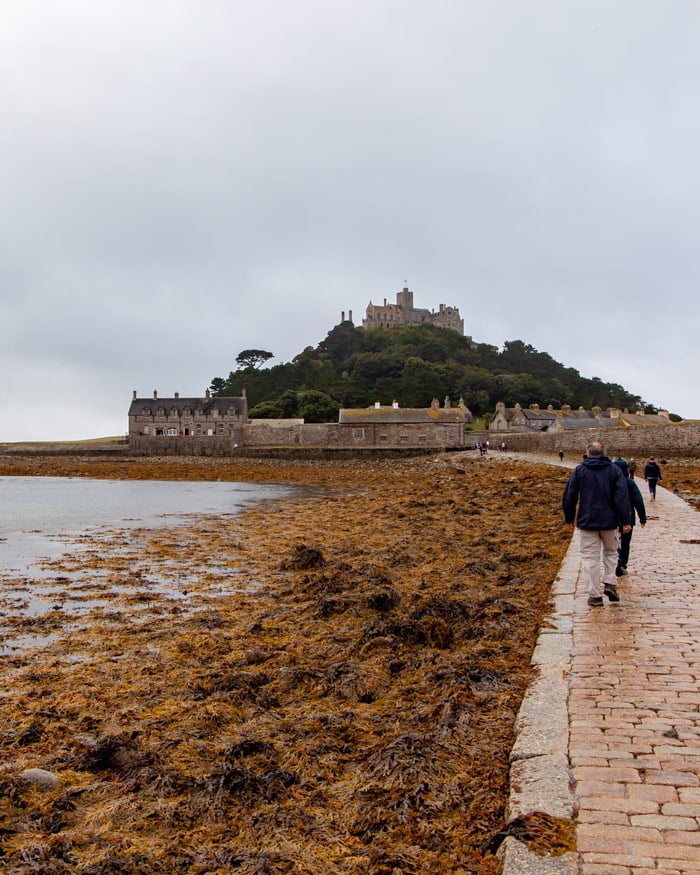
(676, 439)
(330, 435)
(192, 445)
(337, 435)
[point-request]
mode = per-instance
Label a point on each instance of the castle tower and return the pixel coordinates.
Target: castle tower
(404, 299)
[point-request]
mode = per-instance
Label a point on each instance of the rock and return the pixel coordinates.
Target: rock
(39, 778)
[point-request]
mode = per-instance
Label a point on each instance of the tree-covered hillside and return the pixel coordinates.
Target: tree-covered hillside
(354, 367)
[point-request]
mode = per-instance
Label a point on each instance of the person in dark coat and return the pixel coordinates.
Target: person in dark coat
(637, 503)
(652, 474)
(596, 497)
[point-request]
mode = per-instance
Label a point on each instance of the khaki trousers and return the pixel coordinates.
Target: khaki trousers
(591, 543)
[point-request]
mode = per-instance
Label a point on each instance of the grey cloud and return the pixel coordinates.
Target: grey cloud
(181, 181)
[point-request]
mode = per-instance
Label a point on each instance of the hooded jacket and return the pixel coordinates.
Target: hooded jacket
(652, 471)
(599, 488)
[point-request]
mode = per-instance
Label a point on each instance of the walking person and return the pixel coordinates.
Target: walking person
(632, 466)
(637, 507)
(652, 474)
(596, 497)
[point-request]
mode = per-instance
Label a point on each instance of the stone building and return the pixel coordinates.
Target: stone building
(188, 418)
(403, 313)
(220, 425)
(395, 426)
(533, 419)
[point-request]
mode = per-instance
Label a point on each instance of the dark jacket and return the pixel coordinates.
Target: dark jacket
(652, 471)
(600, 490)
(636, 500)
(637, 503)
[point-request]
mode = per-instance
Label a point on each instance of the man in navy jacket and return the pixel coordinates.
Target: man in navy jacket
(599, 490)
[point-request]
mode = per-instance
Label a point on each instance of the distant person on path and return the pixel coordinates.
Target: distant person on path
(632, 467)
(637, 504)
(561, 455)
(599, 490)
(652, 474)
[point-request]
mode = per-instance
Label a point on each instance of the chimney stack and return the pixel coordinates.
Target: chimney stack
(133, 397)
(155, 394)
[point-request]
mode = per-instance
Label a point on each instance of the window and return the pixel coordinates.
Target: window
(146, 429)
(220, 428)
(198, 412)
(232, 411)
(146, 411)
(383, 438)
(161, 411)
(172, 432)
(422, 439)
(403, 438)
(358, 433)
(198, 429)
(187, 412)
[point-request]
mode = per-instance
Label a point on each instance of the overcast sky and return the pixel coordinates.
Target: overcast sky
(184, 179)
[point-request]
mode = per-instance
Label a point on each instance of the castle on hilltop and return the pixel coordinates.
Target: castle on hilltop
(403, 313)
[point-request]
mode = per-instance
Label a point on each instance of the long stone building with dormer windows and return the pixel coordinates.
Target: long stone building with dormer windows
(218, 419)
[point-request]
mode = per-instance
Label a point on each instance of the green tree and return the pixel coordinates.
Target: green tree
(515, 389)
(315, 406)
(420, 383)
(218, 386)
(288, 403)
(477, 400)
(253, 358)
(368, 367)
(342, 342)
(265, 410)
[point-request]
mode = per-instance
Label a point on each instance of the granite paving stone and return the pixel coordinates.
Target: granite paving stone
(632, 707)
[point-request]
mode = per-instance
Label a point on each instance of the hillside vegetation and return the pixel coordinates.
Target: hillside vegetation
(355, 367)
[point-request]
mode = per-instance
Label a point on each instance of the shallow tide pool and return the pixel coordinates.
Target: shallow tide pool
(51, 528)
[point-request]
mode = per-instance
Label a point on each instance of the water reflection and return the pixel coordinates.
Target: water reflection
(50, 523)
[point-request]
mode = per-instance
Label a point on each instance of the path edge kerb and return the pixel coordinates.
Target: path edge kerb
(540, 769)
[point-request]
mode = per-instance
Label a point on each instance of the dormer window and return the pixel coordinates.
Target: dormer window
(146, 411)
(161, 411)
(187, 412)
